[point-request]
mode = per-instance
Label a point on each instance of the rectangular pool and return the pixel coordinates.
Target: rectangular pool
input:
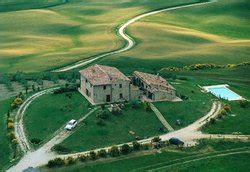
(223, 92)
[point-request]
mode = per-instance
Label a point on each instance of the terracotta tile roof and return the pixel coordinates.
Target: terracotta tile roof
(156, 81)
(103, 75)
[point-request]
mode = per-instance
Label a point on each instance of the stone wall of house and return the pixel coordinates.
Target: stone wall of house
(100, 93)
(161, 95)
(124, 90)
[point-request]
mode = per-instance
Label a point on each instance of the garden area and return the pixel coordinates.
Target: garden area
(50, 112)
(195, 104)
(134, 122)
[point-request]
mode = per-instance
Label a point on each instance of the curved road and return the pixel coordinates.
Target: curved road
(19, 129)
(126, 37)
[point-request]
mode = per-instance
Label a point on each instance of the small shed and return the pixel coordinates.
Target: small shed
(176, 141)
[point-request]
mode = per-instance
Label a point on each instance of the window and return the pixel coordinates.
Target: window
(121, 96)
(104, 87)
(120, 85)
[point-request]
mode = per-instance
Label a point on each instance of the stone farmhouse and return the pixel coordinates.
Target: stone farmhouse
(104, 84)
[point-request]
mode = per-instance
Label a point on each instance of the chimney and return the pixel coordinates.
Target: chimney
(158, 76)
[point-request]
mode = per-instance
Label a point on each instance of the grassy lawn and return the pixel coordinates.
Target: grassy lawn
(186, 111)
(237, 122)
(115, 131)
(238, 80)
(50, 112)
(154, 160)
(41, 39)
(5, 150)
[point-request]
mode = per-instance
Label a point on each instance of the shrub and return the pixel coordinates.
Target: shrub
(136, 104)
(125, 149)
(243, 103)
(114, 151)
(56, 162)
(61, 148)
(223, 112)
(12, 135)
(10, 120)
(92, 155)
(100, 122)
(35, 140)
(147, 106)
(145, 146)
(16, 102)
(10, 125)
(102, 153)
(14, 141)
(103, 114)
(117, 111)
(82, 158)
(227, 108)
(70, 161)
(220, 116)
(136, 145)
(212, 121)
(156, 139)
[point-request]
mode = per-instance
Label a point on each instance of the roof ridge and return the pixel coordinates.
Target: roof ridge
(104, 72)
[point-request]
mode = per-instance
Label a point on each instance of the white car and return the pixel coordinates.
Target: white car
(71, 124)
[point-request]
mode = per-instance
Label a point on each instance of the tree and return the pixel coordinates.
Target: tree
(82, 158)
(55, 162)
(212, 121)
(243, 103)
(114, 151)
(156, 139)
(26, 86)
(33, 87)
(92, 155)
(70, 161)
(102, 153)
(136, 145)
(125, 149)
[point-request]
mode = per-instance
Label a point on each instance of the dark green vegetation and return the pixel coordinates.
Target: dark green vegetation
(5, 149)
(187, 111)
(116, 129)
(50, 112)
(154, 160)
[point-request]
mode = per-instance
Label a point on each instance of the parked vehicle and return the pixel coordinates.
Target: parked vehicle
(176, 141)
(71, 124)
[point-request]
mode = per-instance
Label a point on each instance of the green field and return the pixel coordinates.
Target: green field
(5, 148)
(187, 111)
(41, 39)
(215, 33)
(14, 5)
(155, 160)
(115, 131)
(50, 112)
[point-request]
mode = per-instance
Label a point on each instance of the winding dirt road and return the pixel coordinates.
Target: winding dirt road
(122, 33)
(19, 128)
